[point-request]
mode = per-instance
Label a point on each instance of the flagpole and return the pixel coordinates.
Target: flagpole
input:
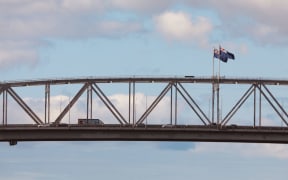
(222, 55)
(218, 70)
(219, 63)
(218, 103)
(213, 64)
(218, 89)
(213, 89)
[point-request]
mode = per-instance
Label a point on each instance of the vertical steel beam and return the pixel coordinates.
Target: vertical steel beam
(171, 104)
(218, 102)
(129, 105)
(47, 103)
(89, 102)
(176, 104)
(254, 112)
(260, 105)
(5, 107)
(134, 108)
(213, 101)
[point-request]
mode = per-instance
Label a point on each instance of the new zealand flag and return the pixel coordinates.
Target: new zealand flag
(223, 55)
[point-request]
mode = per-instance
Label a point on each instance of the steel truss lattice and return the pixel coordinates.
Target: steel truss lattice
(258, 89)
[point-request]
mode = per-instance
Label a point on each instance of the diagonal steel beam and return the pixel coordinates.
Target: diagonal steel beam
(272, 105)
(109, 104)
(154, 104)
(1, 90)
(275, 100)
(25, 107)
(71, 103)
(194, 106)
(235, 108)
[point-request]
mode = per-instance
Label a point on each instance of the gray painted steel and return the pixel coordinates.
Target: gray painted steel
(128, 129)
(199, 133)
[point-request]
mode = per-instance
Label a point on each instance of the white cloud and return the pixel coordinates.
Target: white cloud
(246, 150)
(17, 57)
(32, 21)
(16, 53)
(26, 8)
(83, 5)
(30, 7)
(142, 6)
(268, 150)
(180, 26)
(118, 28)
(260, 21)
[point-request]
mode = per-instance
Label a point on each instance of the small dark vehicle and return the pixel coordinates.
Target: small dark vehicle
(90, 122)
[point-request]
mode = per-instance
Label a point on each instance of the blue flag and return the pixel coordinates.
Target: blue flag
(223, 55)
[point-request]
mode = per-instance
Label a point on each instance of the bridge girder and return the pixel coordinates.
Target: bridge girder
(178, 84)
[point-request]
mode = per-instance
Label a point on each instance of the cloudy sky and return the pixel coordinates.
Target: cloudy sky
(72, 38)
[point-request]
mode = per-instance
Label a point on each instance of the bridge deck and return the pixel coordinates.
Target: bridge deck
(145, 133)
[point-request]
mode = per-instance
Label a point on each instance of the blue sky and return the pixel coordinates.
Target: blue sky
(73, 38)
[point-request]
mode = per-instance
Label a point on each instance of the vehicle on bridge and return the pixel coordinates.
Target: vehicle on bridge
(53, 124)
(167, 126)
(90, 122)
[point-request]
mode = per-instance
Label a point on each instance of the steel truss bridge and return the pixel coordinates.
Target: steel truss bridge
(213, 126)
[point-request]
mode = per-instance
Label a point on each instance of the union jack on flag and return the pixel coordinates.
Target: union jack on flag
(223, 54)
